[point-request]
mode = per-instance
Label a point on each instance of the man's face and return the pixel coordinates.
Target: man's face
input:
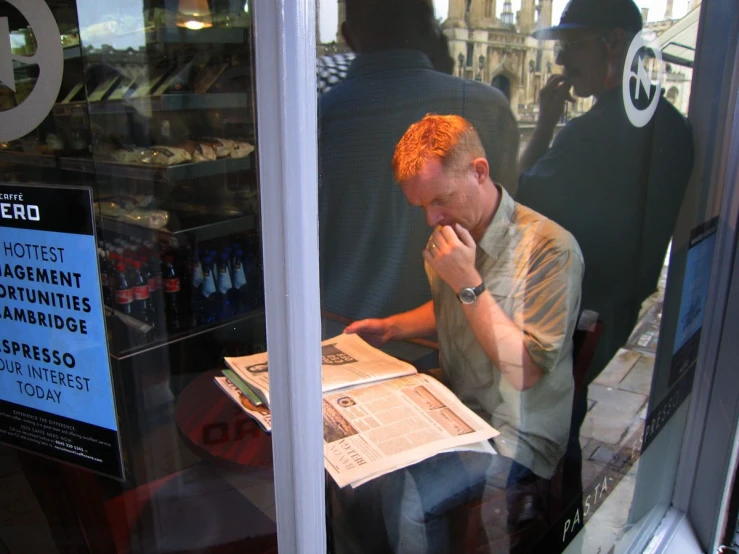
(583, 55)
(446, 198)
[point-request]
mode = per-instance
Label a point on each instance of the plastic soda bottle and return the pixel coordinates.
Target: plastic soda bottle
(123, 294)
(172, 291)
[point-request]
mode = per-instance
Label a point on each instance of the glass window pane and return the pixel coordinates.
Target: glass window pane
(155, 116)
(544, 152)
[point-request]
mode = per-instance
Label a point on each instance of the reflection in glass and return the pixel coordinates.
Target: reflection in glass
(155, 114)
(616, 188)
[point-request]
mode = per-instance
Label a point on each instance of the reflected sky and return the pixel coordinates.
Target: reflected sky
(329, 16)
(117, 24)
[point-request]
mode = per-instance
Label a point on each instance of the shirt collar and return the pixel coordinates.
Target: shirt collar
(492, 241)
(374, 62)
(609, 97)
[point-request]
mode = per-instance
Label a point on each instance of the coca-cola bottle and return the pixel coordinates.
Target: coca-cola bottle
(142, 308)
(112, 266)
(123, 292)
(172, 292)
(152, 272)
(105, 277)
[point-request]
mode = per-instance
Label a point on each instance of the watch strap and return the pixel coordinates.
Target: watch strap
(478, 290)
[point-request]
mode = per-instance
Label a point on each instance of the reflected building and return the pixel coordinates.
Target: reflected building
(498, 49)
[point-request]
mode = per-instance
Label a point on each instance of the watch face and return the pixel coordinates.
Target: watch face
(467, 296)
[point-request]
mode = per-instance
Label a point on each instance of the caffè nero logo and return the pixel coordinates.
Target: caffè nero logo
(49, 57)
(636, 72)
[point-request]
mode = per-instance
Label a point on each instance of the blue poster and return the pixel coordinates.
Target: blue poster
(693, 299)
(56, 390)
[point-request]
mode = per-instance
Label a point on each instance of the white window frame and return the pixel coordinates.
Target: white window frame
(286, 100)
(287, 148)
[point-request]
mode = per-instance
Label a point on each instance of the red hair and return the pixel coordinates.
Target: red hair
(449, 138)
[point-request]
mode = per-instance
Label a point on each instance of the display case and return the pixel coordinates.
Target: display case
(155, 113)
(158, 119)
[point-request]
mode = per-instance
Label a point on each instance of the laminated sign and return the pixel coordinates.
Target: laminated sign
(56, 391)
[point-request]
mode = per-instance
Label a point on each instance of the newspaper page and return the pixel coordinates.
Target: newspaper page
(482, 446)
(347, 361)
(260, 414)
(373, 429)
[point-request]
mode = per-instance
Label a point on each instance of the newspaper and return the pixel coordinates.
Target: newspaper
(260, 414)
(483, 446)
(373, 429)
(243, 387)
(347, 360)
(379, 414)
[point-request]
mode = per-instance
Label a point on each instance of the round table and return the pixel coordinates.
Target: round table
(217, 429)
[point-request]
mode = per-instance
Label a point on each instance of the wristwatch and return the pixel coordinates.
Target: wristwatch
(468, 294)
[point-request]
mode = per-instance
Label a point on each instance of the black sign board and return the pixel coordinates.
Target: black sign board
(56, 390)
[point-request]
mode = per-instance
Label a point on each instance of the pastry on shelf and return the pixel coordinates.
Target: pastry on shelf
(130, 155)
(160, 156)
(241, 149)
(130, 210)
(222, 147)
(200, 151)
(226, 148)
(164, 156)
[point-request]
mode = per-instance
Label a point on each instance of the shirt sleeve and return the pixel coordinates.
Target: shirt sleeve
(550, 301)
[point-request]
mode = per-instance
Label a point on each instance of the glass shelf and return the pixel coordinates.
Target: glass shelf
(168, 339)
(172, 173)
(200, 227)
(25, 158)
(163, 103)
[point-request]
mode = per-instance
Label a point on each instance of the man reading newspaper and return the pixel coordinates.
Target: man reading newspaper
(505, 284)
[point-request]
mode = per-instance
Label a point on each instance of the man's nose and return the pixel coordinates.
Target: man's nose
(433, 217)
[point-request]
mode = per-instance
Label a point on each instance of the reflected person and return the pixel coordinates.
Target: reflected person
(331, 69)
(369, 235)
(616, 187)
(505, 285)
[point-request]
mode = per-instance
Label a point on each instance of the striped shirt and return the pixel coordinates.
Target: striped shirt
(370, 237)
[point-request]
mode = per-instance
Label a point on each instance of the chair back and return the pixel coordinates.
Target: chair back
(583, 349)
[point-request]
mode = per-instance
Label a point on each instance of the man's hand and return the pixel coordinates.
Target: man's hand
(451, 253)
(376, 332)
(552, 100)
(551, 107)
(419, 322)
